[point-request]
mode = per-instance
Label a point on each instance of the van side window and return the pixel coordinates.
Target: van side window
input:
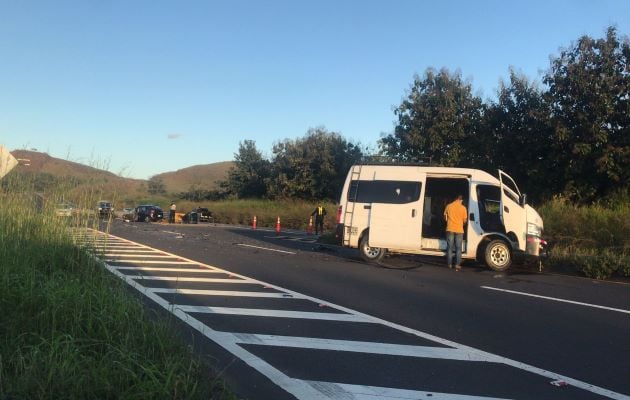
(389, 192)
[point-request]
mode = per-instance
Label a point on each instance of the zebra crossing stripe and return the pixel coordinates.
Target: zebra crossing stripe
(271, 313)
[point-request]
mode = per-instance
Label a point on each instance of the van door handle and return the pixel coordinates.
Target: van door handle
(472, 217)
(507, 210)
(413, 213)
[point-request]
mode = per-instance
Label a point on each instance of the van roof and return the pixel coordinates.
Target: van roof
(475, 174)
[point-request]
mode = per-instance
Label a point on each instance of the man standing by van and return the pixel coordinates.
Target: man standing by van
(456, 216)
(319, 213)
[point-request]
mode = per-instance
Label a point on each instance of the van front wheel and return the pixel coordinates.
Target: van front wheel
(497, 255)
(370, 254)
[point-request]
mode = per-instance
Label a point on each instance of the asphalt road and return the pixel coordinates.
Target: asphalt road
(306, 321)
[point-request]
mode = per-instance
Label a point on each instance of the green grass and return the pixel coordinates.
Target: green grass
(591, 240)
(70, 329)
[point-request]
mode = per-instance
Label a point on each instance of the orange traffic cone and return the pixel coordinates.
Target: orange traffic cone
(309, 229)
(254, 223)
(278, 225)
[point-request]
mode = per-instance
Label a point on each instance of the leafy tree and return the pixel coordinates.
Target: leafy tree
(251, 171)
(521, 138)
(156, 186)
(312, 167)
(589, 86)
(439, 120)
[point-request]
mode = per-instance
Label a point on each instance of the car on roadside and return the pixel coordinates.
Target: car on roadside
(105, 209)
(128, 214)
(148, 213)
(65, 210)
(204, 214)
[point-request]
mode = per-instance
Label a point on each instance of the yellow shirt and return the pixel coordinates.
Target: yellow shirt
(456, 216)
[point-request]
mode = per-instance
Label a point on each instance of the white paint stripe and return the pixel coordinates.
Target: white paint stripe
(265, 248)
(293, 384)
(362, 392)
(135, 255)
(272, 313)
(203, 271)
(559, 300)
(135, 261)
(298, 388)
(187, 279)
(363, 347)
(231, 293)
(136, 251)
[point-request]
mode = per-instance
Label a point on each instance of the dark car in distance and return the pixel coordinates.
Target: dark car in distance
(199, 214)
(105, 209)
(148, 213)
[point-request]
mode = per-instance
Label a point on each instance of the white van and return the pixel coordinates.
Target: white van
(399, 208)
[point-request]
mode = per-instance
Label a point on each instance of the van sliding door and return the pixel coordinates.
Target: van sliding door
(396, 218)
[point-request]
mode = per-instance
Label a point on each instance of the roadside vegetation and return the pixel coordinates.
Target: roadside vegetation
(69, 328)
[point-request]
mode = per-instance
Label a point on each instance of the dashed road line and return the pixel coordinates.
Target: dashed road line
(265, 248)
(579, 303)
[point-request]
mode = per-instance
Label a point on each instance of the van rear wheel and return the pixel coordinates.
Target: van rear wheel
(497, 255)
(370, 254)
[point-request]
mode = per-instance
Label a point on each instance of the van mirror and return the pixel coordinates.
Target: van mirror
(523, 199)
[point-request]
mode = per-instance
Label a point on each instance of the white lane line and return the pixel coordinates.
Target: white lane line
(362, 392)
(231, 293)
(137, 251)
(272, 313)
(188, 279)
(579, 303)
(363, 347)
(134, 255)
(265, 248)
(132, 260)
(201, 270)
(296, 386)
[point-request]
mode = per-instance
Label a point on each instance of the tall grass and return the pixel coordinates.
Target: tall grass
(593, 240)
(70, 329)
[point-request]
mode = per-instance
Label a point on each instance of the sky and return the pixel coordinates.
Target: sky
(150, 86)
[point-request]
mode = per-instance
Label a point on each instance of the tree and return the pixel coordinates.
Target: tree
(439, 120)
(156, 186)
(589, 92)
(313, 167)
(521, 137)
(247, 179)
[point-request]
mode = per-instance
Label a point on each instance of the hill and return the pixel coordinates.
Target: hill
(204, 176)
(78, 179)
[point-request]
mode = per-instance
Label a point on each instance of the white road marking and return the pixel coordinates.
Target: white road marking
(579, 303)
(201, 270)
(131, 260)
(188, 279)
(135, 255)
(362, 392)
(265, 248)
(137, 251)
(300, 388)
(364, 347)
(272, 313)
(231, 293)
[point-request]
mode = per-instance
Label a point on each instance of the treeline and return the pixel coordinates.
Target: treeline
(570, 138)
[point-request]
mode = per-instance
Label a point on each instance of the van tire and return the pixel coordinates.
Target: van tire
(498, 255)
(370, 254)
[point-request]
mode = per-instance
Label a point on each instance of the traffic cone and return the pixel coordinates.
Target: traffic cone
(278, 225)
(309, 230)
(254, 223)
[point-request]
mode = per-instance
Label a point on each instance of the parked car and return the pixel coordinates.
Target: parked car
(199, 214)
(128, 214)
(65, 210)
(105, 209)
(148, 213)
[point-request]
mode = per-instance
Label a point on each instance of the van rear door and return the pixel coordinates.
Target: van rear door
(513, 215)
(396, 220)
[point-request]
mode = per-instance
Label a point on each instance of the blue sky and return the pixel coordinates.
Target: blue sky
(144, 87)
